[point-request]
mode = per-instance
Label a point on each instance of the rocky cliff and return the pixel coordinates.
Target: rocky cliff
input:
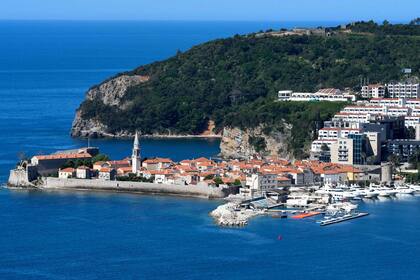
(237, 143)
(110, 93)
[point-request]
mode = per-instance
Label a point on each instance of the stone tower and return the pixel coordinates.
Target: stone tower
(135, 157)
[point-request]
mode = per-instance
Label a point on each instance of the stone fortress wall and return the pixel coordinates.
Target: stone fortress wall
(135, 187)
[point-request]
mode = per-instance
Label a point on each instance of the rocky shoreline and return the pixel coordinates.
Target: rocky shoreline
(230, 214)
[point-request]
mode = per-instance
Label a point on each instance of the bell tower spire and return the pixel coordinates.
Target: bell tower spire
(135, 157)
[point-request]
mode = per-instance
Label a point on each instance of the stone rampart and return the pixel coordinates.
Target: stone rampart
(138, 187)
(19, 178)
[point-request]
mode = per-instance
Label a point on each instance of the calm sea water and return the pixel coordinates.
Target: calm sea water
(45, 68)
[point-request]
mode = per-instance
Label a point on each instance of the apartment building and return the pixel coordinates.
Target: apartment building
(373, 91)
(402, 148)
(335, 132)
(357, 148)
(327, 94)
(406, 89)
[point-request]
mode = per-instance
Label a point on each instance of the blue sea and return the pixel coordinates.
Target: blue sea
(45, 69)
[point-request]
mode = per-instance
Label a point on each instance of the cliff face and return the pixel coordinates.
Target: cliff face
(237, 143)
(110, 93)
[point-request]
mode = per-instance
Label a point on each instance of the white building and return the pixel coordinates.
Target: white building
(412, 121)
(328, 94)
(107, 174)
(388, 101)
(335, 132)
(262, 181)
(66, 173)
(375, 91)
(352, 117)
(316, 146)
(403, 90)
(135, 157)
(373, 110)
(83, 172)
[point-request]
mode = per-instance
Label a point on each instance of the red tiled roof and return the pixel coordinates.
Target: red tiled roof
(157, 160)
(68, 169)
(105, 169)
(63, 156)
(83, 167)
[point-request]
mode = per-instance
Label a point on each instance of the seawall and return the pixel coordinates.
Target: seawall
(135, 187)
(21, 178)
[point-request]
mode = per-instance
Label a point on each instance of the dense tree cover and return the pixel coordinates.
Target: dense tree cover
(134, 178)
(226, 80)
(77, 163)
(100, 157)
(414, 163)
(85, 162)
(386, 28)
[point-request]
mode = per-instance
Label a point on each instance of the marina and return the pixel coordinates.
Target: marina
(336, 204)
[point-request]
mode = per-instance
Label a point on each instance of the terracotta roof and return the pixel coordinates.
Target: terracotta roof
(157, 160)
(375, 85)
(329, 90)
(119, 162)
(83, 167)
(68, 169)
(105, 169)
(201, 159)
(63, 156)
(125, 169)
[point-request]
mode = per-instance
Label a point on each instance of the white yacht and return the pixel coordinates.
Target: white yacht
(383, 191)
(404, 190)
(370, 193)
(416, 188)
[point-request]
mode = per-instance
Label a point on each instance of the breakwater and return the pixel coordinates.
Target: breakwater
(135, 187)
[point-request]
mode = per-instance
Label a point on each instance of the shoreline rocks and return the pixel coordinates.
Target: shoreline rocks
(230, 214)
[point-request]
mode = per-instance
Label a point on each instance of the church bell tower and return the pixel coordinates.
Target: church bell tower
(135, 157)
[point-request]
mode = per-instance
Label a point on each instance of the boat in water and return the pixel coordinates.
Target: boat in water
(339, 219)
(340, 212)
(402, 189)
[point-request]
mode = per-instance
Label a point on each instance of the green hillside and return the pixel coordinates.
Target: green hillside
(227, 80)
